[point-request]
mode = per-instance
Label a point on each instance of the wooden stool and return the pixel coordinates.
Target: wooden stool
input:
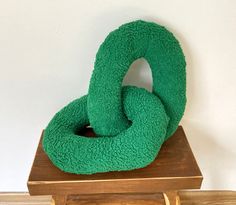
(175, 168)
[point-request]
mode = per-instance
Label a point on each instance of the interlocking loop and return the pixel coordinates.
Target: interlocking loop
(120, 49)
(131, 122)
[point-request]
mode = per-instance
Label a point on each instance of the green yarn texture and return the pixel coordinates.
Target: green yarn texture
(131, 123)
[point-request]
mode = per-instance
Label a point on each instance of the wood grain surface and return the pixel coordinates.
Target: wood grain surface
(116, 199)
(180, 198)
(24, 199)
(207, 197)
(185, 197)
(175, 168)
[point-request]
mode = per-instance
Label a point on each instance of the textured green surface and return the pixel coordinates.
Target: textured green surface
(131, 122)
(120, 49)
(133, 148)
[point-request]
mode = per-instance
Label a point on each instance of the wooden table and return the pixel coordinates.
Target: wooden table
(175, 168)
(182, 198)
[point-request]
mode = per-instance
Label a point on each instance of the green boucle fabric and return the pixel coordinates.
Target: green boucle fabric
(119, 50)
(131, 123)
(133, 148)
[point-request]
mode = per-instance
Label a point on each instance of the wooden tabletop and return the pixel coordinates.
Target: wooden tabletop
(174, 168)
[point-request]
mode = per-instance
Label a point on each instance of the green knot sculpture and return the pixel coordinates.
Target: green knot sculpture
(131, 123)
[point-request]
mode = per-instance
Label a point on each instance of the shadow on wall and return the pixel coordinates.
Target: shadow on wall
(214, 159)
(139, 74)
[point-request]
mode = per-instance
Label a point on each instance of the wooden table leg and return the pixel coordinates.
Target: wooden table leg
(59, 199)
(171, 198)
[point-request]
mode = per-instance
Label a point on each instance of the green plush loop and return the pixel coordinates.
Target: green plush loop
(133, 148)
(131, 122)
(119, 50)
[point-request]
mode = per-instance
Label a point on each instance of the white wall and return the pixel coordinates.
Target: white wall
(47, 51)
